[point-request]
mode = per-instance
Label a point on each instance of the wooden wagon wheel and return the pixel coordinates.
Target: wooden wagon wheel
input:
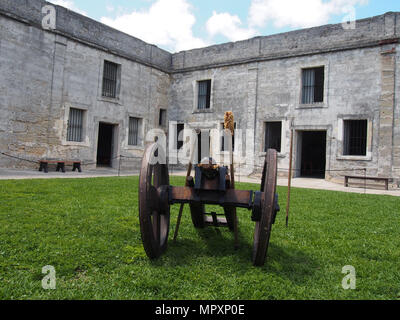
(154, 218)
(263, 227)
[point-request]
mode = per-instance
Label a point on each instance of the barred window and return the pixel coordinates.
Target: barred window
(355, 137)
(75, 125)
(134, 131)
(204, 97)
(273, 136)
(110, 79)
(313, 85)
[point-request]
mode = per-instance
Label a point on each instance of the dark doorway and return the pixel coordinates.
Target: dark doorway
(203, 145)
(105, 145)
(313, 154)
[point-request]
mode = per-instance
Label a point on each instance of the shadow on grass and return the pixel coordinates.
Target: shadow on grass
(290, 263)
(286, 262)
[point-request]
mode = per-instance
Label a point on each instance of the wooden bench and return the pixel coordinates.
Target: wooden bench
(44, 165)
(386, 180)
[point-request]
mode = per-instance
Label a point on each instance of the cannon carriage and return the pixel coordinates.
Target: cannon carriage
(212, 184)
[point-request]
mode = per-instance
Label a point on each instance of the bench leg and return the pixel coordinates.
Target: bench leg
(346, 182)
(40, 167)
(46, 168)
(61, 167)
(387, 184)
(77, 166)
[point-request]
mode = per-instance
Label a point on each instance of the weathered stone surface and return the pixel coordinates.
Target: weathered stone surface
(308, 41)
(76, 26)
(45, 73)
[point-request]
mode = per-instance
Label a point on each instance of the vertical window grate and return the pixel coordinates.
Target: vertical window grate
(273, 136)
(75, 125)
(313, 85)
(134, 127)
(179, 139)
(355, 137)
(204, 97)
(110, 76)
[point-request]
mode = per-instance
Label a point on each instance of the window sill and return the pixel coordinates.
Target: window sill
(135, 148)
(203, 111)
(75, 144)
(318, 105)
(354, 158)
(110, 100)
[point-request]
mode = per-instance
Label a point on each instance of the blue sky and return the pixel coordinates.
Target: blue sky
(177, 25)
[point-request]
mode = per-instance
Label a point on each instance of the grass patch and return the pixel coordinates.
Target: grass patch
(88, 229)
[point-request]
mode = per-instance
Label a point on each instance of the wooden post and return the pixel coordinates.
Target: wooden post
(235, 221)
(229, 124)
(290, 177)
(189, 171)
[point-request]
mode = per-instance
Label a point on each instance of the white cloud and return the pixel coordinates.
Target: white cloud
(166, 23)
(296, 13)
(229, 26)
(69, 4)
(110, 8)
(169, 23)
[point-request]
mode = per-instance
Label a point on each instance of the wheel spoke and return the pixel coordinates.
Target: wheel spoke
(156, 226)
(157, 176)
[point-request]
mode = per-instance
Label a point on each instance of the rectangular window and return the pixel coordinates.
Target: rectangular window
(179, 139)
(75, 125)
(273, 136)
(313, 85)
(110, 79)
(355, 137)
(223, 138)
(134, 131)
(162, 121)
(204, 97)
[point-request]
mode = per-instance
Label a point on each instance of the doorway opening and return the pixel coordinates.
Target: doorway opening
(312, 154)
(105, 145)
(203, 145)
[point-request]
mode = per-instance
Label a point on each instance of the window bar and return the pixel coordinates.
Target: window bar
(80, 127)
(133, 132)
(110, 79)
(73, 125)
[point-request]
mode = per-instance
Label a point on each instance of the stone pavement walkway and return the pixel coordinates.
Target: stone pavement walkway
(14, 174)
(308, 183)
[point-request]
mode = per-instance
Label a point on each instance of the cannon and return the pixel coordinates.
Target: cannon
(212, 184)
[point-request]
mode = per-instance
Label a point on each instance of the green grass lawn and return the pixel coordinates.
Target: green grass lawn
(89, 231)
